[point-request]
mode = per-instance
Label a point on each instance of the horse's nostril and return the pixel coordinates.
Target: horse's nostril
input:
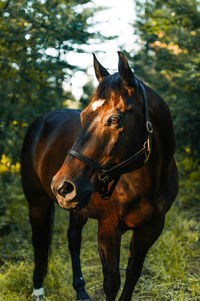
(67, 188)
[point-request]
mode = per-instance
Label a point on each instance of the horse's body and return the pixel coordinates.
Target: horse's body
(51, 134)
(143, 193)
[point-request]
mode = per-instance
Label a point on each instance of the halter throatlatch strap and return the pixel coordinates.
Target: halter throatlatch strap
(105, 176)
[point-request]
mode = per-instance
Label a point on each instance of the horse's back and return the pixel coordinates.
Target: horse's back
(45, 146)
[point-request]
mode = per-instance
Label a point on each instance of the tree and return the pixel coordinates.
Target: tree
(169, 60)
(34, 38)
(86, 97)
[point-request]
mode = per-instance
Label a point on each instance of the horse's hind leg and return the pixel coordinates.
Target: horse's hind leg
(41, 213)
(141, 242)
(77, 222)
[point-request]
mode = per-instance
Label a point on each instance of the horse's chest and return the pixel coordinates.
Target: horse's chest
(133, 198)
(134, 215)
(133, 195)
(129, 204)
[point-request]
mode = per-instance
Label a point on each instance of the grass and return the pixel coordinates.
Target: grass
(171, 270)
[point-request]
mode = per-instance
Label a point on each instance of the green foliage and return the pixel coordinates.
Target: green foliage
(86, 97)
(169, 60)
(34, 37)
(171, 270)
(189, 173)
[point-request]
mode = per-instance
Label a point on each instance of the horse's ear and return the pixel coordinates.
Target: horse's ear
(100, 71)
(126, 74)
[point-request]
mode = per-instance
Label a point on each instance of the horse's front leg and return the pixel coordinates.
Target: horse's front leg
(142, 240)
(109, 239)
(74, 238)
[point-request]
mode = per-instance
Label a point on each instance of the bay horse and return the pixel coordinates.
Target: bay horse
(113, 162)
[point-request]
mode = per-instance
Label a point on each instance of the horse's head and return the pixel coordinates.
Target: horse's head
(113, 129)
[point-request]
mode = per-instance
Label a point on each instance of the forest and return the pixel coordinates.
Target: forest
(32, 81)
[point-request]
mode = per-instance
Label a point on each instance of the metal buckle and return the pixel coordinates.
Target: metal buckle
(149, 127)
(103, 177)
(147, 155)
(148, 150)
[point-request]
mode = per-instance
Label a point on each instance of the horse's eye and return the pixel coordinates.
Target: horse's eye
(113, 120)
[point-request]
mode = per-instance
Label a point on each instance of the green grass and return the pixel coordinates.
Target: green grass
(171, 270)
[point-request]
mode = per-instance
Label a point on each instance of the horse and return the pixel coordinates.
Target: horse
(113, 162)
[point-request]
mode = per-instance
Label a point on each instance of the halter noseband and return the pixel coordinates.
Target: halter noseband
(105, 176)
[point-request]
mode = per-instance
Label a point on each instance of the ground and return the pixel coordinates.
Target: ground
(171, 270)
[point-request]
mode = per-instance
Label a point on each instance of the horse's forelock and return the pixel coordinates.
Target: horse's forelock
(108, 85)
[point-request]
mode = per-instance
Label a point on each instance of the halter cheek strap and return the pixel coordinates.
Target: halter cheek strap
(105, 176)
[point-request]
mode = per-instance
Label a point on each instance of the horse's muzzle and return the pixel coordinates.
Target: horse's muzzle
(68, 196)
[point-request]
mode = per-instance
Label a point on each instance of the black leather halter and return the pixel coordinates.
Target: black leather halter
(105, 176)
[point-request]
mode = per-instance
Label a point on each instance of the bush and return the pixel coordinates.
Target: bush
(189, 184)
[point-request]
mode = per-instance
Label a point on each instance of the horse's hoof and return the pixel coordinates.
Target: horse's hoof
(39, 298)
(82, 296)
(38, 294)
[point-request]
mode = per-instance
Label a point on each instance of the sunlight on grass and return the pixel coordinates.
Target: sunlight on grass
(171, 269)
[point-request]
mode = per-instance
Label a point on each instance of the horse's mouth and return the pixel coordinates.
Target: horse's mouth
(78, 203)
(66, 204)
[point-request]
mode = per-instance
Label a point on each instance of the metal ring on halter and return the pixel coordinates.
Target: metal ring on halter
(149, 127)
(103, 177)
